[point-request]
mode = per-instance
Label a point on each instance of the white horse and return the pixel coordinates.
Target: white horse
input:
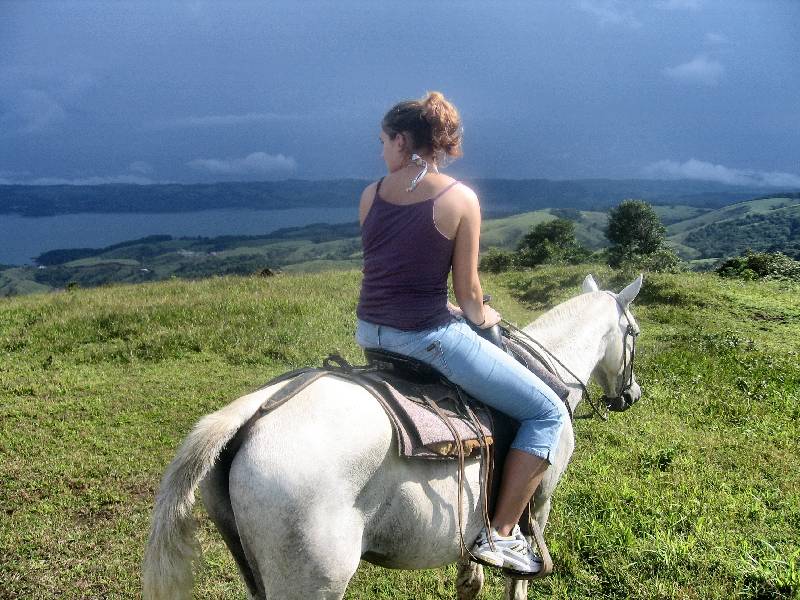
(317, 484)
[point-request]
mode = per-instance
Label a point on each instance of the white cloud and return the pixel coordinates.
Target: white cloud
(678, 4)
(257, 163)
(24, 178)
(713, 38)
(223, 120)
(140, 166)
(93, 180)
(705, 171)
(610, 12)
(700, 70)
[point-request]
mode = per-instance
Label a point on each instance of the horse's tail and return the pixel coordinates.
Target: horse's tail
(172, 546)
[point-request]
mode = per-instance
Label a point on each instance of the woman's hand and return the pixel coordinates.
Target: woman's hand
(454, 310)
(492, 317)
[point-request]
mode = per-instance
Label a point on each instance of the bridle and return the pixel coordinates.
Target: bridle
(623, 400)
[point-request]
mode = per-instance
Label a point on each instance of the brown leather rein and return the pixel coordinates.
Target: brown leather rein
(616, 403)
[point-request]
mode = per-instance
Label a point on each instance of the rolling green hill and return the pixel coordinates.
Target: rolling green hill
(506, 232)
(762, 224)
(690, 494)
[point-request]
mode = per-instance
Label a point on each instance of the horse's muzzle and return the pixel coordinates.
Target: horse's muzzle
(627, 399)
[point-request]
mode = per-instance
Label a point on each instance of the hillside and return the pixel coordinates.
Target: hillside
(590, 226)
(690, 494)
(154, 258)
(764, 224)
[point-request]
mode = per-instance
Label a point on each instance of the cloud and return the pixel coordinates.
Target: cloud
(715, 39)
(24, 178)
(705, 171)
(257, 163)
(139, 166)
(610, 12)
(678, 4)
(93, 180)
(223, 120)
(701, 70)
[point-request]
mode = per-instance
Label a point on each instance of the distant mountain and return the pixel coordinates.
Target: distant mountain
(498, 196)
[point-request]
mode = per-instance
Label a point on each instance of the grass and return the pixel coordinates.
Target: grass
(693, 493)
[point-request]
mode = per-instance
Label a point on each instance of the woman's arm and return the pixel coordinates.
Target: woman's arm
(466, 284)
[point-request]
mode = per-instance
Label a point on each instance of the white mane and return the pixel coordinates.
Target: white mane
(568, 311)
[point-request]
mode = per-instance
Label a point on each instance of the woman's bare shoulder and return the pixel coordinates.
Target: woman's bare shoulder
(367, 197)
(461, 198)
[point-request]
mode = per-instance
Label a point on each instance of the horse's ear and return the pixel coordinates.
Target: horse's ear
(627, 295)
(589, 284)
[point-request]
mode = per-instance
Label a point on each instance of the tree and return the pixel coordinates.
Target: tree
(636, 233)
(551, 241)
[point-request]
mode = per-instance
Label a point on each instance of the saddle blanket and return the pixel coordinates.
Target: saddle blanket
(431, 417)
(425, 431)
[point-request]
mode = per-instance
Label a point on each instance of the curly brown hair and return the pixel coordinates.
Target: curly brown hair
(431, 124)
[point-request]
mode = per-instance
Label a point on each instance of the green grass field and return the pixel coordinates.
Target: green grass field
(694, 493)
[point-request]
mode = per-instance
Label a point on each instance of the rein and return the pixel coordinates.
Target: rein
(616, 403)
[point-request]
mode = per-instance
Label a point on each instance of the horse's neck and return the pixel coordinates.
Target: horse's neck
(576, 332)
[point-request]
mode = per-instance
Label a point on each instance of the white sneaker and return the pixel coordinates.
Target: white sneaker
(513, 553)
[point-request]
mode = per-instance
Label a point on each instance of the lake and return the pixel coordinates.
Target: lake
(23, 238)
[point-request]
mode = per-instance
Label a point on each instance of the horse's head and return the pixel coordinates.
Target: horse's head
(614, 372)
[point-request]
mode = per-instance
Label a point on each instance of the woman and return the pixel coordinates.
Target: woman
(418, 225)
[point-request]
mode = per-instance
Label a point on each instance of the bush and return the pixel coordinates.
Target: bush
(663, 260)
(761, 265)
(497, 261)
(550, 242)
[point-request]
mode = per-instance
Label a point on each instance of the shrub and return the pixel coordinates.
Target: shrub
(663, 260)
(550, 242)
(497, 261)
(761, 265)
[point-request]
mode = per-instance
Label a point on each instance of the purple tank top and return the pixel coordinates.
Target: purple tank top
(406, 263)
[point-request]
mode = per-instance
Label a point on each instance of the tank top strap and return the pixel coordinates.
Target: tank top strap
(378, 189)
(445, 189)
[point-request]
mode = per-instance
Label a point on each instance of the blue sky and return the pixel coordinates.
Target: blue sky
(96, 92)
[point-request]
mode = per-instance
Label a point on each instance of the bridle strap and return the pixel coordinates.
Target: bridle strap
(633, 333)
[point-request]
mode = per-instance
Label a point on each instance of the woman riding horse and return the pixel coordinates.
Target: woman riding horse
(417, 226)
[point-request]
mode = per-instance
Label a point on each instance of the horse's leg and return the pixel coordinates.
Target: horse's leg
(469, 580)
(301, 547)
(217, 502)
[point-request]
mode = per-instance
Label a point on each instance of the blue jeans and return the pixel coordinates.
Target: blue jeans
(484, 371)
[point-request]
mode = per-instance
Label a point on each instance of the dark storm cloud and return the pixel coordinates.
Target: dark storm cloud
(142, 92)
